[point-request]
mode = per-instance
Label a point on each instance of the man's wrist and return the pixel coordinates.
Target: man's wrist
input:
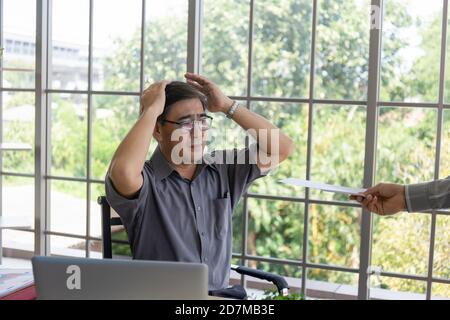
(228, 107)
(232, 110)
(151, 112)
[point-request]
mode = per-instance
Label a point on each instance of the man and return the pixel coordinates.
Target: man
(387, 198)
(178, 205)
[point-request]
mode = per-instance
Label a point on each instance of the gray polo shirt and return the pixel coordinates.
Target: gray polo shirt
(174, 219)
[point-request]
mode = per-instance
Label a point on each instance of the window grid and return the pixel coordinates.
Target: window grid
(438, 143)
(194, 64)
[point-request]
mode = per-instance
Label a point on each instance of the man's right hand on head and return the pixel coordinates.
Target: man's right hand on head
(154, 97)
(383, 199)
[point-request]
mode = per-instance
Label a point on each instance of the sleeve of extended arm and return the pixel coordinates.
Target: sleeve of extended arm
(430, 195)
(127, 209)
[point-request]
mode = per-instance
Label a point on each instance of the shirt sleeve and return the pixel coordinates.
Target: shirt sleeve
(242, 171)
(430, 195)
(128, 209)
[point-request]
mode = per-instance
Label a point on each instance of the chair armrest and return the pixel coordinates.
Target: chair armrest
(278, 281)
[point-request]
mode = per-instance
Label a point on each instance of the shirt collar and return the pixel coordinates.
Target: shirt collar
(163, 168)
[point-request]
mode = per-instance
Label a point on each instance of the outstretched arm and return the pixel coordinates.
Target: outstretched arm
(274, 145)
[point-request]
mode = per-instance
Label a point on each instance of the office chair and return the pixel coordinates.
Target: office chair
(236, 292)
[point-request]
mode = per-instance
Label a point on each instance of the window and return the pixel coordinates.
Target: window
(20, 25)
(69, 74)
(303, 64)
(272, 46)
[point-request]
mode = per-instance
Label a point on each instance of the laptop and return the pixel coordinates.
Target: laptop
(60, 278)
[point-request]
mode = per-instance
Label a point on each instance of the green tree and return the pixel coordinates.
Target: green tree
(281, 62)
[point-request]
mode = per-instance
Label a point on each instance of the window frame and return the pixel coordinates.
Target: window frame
(43, 179)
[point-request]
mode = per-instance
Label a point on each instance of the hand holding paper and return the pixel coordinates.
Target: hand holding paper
(384, 199)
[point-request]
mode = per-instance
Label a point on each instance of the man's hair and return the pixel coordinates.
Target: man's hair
(177, 91)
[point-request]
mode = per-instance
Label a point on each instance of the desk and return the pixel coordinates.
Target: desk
(12, 222)
(28, 293)
(16, 284)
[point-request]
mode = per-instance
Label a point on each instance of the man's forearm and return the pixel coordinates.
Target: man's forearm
(130, 156)
(430, 195)
(248, 119)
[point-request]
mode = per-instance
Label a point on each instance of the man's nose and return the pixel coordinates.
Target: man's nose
(197, 129)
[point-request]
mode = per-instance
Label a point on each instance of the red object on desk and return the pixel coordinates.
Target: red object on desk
(28, 293)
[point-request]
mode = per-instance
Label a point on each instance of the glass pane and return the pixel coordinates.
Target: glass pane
(18, 127)
(342, 51)
(68, 207)
(225, 44)
(292, 119)
(70, 41)
(440, 291)
(236, 261)
(401, 243)
(95, 249)
(19, 38)
(411, 50)
(117, 45)
(406, 145)
(69, 247)
(445, 146)
(275, 228)
(325, 284)
(119, 249)
(97, 190)
(13, 242)
(447, 67)
(338, 148)
(281, 58)
(14, 191)
(68, 138)
(388, 288)
(442, 247)
(334, 235)
(113, 117)
(284, 270)
(165, 52)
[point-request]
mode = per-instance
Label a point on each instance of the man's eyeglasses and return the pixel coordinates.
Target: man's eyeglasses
(204, 123)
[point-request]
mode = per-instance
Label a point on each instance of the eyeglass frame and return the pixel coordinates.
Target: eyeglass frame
(179, 123)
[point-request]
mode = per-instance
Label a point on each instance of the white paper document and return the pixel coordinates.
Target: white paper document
(323, 186)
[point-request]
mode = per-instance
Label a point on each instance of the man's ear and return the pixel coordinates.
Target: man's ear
(157, 132)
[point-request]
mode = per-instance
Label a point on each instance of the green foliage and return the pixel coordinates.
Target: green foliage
(118, 248)
(274, 295)
(281, 62)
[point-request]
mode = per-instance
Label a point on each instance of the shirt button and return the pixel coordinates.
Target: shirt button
(198, 208)
(206, 259)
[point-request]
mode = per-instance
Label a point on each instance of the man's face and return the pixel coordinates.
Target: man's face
(186, 140)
